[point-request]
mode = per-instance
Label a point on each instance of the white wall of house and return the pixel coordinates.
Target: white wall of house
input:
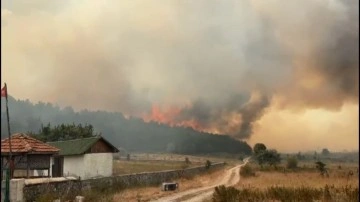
(84, 166)
(89, 165)
(74, 166)
(98, 164)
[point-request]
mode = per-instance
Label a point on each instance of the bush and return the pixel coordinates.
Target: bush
(187, 161)
(185, 165)
(47, 197)
(297, 194)
(321, 167)
(207, 164)
(226, 194)
(247, 171)
(292, 163)
(94, 195)
(270, 157)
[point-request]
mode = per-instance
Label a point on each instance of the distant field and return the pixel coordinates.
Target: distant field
(152, 162)
(179, 157)
(306, 180)
(137, 166)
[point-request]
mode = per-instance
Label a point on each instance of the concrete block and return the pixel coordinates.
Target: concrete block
(79, 199)
(16, 190)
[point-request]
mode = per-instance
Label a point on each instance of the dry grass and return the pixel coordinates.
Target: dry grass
(147, 193)
(301, 184)
(308, 178)
(290, 194)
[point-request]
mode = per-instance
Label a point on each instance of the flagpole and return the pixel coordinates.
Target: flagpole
(9, 133)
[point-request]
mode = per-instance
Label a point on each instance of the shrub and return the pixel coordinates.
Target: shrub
(247, 171)
(184, 166)
(207, 164)
(321, 167)
(187, 161)
(225, 194)
(296, 194)
(97, 196)
(47, 197)
(292, 163)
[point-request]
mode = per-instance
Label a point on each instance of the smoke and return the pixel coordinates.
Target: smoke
(322, 38)
(235, 117)
(218, 64)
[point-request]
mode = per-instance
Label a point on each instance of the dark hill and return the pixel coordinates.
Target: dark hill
(132, 134)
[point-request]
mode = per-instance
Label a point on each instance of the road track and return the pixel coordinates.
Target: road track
(231, 177)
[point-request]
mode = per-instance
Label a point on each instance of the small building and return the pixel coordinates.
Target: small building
(85, 158)
(28, 154)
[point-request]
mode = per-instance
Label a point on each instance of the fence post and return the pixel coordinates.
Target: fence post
(7, 186)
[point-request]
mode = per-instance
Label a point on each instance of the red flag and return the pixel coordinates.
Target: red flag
(4, 92)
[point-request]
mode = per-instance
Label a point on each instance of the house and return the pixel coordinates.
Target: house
(28, 154)
(85, 158)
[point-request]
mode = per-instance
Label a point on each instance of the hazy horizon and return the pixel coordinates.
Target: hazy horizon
(281, 73)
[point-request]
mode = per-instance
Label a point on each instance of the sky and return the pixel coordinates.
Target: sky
(285, 73)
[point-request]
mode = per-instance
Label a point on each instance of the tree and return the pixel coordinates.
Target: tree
(170, 147)
(64, 132)
(325, 152)
(258, 148)
(315, 155)
(270, 157)
(292, 162)
(130, 133)
(321, 168)
(299, 156)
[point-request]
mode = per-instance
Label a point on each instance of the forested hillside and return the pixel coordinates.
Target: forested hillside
(131, 134)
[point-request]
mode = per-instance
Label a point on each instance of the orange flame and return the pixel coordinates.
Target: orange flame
(169, 116)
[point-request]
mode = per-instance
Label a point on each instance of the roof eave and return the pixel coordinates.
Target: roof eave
(115, 150)
(29, 153)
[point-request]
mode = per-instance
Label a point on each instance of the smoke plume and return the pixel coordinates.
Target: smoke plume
(215, 66)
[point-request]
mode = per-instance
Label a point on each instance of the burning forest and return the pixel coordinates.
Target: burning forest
(220, 67)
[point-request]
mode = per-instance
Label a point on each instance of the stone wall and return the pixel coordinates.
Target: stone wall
(145, 179)
(68, 188)
(74, 187)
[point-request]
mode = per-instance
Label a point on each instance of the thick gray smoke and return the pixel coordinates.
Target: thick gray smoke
(322, 38)
(236, 117)
(211, 55)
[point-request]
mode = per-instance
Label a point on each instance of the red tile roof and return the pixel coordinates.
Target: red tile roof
(22, 143)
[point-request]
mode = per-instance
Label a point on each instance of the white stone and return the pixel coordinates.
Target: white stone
(79, 199)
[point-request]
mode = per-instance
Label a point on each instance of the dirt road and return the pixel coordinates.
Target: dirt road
(231, 177)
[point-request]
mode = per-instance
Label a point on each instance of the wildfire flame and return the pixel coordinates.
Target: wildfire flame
(169, 116)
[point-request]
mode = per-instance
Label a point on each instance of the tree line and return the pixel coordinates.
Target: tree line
(50, 123)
